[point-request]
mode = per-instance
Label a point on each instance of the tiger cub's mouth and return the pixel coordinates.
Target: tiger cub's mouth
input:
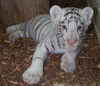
(71, 42)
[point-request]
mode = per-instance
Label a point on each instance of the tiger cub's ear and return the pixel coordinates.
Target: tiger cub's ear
(88, 14)
(55, 13)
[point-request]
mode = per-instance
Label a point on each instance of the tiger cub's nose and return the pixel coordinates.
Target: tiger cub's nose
(71, 42)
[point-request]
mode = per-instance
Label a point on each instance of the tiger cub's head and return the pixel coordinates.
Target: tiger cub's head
(72, 23)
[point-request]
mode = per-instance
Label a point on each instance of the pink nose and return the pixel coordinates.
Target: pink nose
(71, 42)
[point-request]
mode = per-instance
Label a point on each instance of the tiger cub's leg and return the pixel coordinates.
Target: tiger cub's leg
(13, 28)
(68, 62)
(35, 71)
(18, 34)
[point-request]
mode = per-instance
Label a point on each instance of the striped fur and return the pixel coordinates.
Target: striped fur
(42, 28)
(60, 32)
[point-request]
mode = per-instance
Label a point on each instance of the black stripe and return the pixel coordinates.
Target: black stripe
(35, 22)
(52, 45)
(59, 32)
(30, 35)
(60, 36)
(58, 40)
(24, 30)
(42, 21)
(59, 44)
(56, 35)
(40, 29)
(24, 34)
(32, 20)
(77, 14)
(79, 19)
(46, 48)
(66, 14)
(35, 36)
(36, 28)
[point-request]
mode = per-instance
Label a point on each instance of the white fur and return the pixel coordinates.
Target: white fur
(34, 73)
(55, 13)
(11, 29)
(68, 62)
(87, 14)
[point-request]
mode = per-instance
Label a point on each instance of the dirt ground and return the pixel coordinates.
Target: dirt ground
(16, 58)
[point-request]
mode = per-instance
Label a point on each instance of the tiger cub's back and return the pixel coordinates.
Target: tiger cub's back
(40, 27)
(36, 28)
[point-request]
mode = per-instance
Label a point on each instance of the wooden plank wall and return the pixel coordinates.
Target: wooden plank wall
(17, 11)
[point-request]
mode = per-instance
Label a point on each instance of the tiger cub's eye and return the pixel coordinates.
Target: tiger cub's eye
(64, 27)
(79, 28)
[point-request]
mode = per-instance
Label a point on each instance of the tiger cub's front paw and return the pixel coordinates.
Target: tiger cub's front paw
(67, 65)
(32, 76)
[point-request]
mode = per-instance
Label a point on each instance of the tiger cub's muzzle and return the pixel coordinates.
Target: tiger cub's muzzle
(71, 39)
(71, 36)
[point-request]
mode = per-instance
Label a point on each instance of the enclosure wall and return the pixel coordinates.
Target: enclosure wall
(17, 11)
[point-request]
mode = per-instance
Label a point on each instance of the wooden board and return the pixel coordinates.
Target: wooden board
(17, 11)
(96, 19)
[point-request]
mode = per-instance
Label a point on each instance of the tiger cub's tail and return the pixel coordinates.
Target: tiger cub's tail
(16, 31)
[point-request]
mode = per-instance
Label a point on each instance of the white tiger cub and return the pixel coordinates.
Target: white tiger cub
(60, 32)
